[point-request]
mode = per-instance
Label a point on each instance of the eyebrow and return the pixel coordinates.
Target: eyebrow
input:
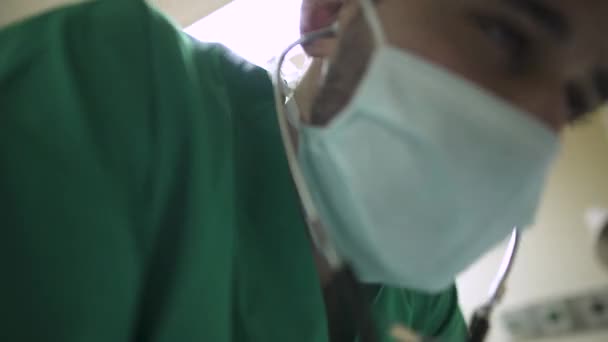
(548, 17)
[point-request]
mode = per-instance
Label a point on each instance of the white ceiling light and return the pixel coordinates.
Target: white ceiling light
(258, 30)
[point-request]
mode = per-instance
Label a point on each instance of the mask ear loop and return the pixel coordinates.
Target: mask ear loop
(317, 234)
(353, 290)
(375, 26)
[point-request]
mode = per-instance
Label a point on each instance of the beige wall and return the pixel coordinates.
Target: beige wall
(556, 258)
(184, 12)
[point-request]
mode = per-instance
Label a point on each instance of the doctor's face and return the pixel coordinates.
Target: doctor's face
(548, 57)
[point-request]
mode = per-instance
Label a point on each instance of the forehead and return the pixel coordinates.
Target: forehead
(554, 63)
(585, 19)
(585, 44)
(588, 8)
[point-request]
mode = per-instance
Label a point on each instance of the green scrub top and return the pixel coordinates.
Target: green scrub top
(145, 196)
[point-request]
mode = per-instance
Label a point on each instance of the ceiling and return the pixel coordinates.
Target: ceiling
(184, 12)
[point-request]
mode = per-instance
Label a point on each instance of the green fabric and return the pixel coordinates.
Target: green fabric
(144, 194)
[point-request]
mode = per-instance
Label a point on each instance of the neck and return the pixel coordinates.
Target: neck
(23, 9)
(306, 91)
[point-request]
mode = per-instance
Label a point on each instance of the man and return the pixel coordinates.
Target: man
(146, 196)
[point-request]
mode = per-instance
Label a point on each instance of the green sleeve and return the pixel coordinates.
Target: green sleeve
(430, 315)
(92, 156)
(448, 323)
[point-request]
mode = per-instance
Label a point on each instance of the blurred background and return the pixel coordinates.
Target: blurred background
(558, 261)
(559, 287)
(557, 275)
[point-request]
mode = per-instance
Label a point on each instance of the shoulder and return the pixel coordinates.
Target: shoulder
(98, 25)
(115, 73)
(247, 84)
(124, 16)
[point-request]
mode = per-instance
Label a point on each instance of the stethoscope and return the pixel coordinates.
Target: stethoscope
(480, 321)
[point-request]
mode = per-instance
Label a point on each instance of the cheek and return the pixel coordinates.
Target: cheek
(542, 99)
(441, 37)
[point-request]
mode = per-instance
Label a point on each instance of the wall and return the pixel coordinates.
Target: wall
(184, 12)
(556, 258)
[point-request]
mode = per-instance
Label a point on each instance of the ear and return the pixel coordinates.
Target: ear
(315, 15)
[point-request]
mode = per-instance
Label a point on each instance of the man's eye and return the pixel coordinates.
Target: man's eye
(515, 42)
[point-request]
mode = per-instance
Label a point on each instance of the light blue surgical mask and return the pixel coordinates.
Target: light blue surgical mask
(422, 172)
